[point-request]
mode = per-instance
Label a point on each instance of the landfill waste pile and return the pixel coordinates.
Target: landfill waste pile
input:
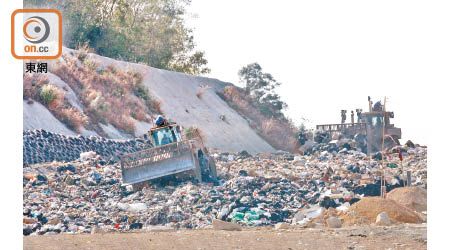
(338, 142)
(86, 195)
(43, 146)
(323, 143)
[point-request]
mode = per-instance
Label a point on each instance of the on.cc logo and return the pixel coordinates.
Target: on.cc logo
(36, 34)
(36, 29)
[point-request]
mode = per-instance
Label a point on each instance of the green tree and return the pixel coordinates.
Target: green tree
(260, 87)
(194, 64)
(145, 31)
(256, 81)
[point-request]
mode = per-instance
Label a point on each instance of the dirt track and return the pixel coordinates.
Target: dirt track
(367, 237)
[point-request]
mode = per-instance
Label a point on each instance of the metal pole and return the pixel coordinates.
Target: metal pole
(403, 173)
(383, 182)
(408, 178)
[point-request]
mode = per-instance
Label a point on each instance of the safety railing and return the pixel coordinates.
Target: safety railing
(341, 127)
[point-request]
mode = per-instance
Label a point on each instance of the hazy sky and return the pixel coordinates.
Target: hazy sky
(330, 55)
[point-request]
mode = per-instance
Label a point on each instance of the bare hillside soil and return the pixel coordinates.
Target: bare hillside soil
(405, 236)
(222, 126)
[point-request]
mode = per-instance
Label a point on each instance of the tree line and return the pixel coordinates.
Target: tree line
(151, 32)
(259, 86)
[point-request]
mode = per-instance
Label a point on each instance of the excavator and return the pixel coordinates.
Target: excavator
(172, 152)
(369, 130)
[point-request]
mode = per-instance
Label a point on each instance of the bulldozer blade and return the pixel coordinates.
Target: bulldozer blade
(139, 170)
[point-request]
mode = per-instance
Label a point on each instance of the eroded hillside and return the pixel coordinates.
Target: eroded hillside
(93, 95)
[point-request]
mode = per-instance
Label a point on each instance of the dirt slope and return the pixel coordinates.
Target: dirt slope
(177, 92)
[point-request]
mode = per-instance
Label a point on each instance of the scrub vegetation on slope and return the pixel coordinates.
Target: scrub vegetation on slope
(108, 95)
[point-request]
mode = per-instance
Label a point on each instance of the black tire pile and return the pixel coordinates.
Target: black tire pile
(43, 146)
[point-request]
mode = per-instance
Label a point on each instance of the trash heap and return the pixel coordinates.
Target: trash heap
(324, 141)
(43, 146)
(87, 196)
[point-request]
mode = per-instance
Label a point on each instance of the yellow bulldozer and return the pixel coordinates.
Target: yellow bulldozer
(172, 153)
(373, 129)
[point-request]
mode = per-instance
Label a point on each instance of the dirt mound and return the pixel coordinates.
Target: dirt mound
(370, 207)
(412, 197)
(352, 218)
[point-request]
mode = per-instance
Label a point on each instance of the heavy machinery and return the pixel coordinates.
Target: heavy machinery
(172, 154)
(369, 130)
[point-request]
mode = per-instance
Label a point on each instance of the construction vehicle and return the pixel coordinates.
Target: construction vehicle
(373, 130)
(172, 154)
